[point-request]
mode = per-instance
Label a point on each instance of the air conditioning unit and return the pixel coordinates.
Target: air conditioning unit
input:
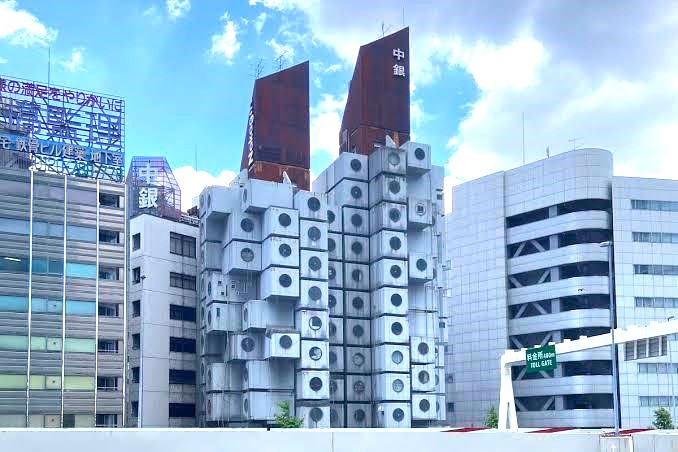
(335, 246)
(312, 294)
(422, 350)
(357, 332)
(356, 276)
(388, 215)
(422, 298)
(357, 304)
(336, 388)
(347, 166)
(358, 360)
(311, 206)
(312, 324)
(337, 415)
(334, 219)
(356, 249)
(423, 378)
(388, 273)
(420, 267)
(314, 416)
(280, 222)
(217, 201)
(223, 377)
(242, 226)
(391, 358)
(211, 254)
(349, 193)
(221, 318)
(423, 407)
(315, 355)
(358, 415)
(356, 221)
(418, 157)
(313, 235)
(390, 301)
(335, 275)
(243, 347)
(313, 384)
(359, 388)
(280, 252)
(263, 406)
(336, 330)
(259, 195)
(279, 282)
(419, 212)
(386, 160)
(242, 257)
(223, 407)
(392, 415)
(391, 387)
(313, 264)
(423, 323)
(336, 358)
(388, 188)
(261, 314)
(335, 301)
(276, 375)
(388, 245)
(391, 330)
(282, 344)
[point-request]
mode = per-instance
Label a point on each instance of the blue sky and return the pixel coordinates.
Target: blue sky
(184, 67)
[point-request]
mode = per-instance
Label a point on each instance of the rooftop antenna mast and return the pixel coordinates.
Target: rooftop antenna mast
(574, 142)
(385, 29)
(257, 68)
(280, 61)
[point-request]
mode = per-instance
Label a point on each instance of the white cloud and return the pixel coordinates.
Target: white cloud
(3, 60)
(76, 62)
(332, 68)
(259, 22)
(284, 51)
(23, 28)
(226, 44)
(178, 8)
(325, 124)
(192, 182)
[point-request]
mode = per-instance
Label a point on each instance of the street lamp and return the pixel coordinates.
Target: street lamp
(613, 348)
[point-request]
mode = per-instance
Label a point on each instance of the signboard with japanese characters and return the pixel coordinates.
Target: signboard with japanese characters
(148, 194)
(399, 66)
(64, 130)
(540, 359)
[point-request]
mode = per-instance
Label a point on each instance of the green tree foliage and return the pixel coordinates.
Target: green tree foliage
(284, 419)
(662, 419)
(492, 419)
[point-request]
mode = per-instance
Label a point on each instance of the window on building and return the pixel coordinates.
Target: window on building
(182, 345)
(136, 275)
(181, 410)
(135, 375)
(136, 341)
(107, 420)
(182, 244)
(69, 421)
(657, 401)
(136, 241)
(656, 302)
(135, 408)
(183, 313)
(645, 348)
(108, 310)
(663, 206)
(450, 407)
(108, 236)
(109, 200)
(657, 270)
(136, 308)
(109, 273)
(107, 383)
(107, 346)
(82, 233)
(182, 281)
(657, 368)
(181, 377)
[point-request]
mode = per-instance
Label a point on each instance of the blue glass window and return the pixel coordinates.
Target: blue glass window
(81, 233)
(80, 307)
(43, 305)
(13, 304)
(78, 270)
(13, 264)
(14, 226)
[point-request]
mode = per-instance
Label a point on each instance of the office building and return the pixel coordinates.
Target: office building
(62, 259)
(527, 268)
(162, 297)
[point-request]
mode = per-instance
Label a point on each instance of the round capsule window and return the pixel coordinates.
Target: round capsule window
(315, 323)
(395, 243)
(422, 348)
(331, 272)
(245, 314)
(285, 250)
(331, 216)
(421, 264)
(333, 386)
(358, 359)
(247, 255)
(357, 303)
(393, 159)
(398, 385)
(359, 387)
(398, 415)
(331, 301)
(315, 384)
(247, 225)
(419, 154)
(397, 357)
(394, 187)
(358, 331)
(314, 233)
(246, 406)
(315, 353)
(247, 344)
(314, 293)
(209, 288)
(284, 220)
(436, 379)
(209, 317)
(315, 263)
(209, 200)
(396, 271)
(313, 204)
(424, 405)
(316, 414)
(356, 165)
(357, 275)
(359, 415)
(332, 357)
(334, 417)
(394, 215)
(396, 299)
(285, 280)
(357, 247)
(331, 245)
(245, 374)
(356, 192)
(356, 220)
(285, 341)
(332, 328)
(209, 406)
(397, 328)
(424, 377)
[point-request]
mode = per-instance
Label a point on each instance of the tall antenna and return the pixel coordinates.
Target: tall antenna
(384, 28)
(523, 138)
(280, 61)
(257, 68)
(574, 142)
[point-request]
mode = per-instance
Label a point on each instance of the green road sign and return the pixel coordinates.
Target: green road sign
(541, 358)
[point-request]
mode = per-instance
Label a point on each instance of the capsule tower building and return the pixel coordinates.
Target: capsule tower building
(326, 300)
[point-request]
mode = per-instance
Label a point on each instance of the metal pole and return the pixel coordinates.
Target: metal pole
(613, 346)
